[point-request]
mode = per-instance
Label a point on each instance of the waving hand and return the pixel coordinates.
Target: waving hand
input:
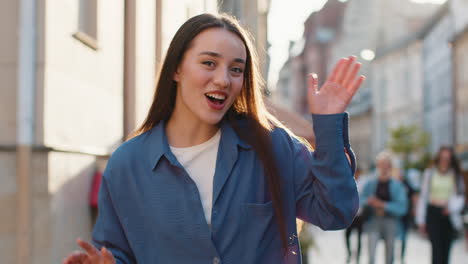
(91, 255)
(338, 90)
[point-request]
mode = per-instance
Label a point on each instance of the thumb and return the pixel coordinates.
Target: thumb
(312, 83)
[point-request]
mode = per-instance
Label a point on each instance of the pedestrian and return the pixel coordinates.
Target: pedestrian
(407, 219)
(385, 199)
(211, 176)
(440, 204)
(356, 225)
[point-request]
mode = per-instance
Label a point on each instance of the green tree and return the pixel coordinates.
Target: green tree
(410, 141)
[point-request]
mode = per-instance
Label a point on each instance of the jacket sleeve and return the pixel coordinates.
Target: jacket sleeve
(367, 191)
(398, 205)
(324, 186)
(108, 230)
(457, 200)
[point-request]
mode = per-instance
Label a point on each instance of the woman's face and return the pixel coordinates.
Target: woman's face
(444, 160)
(384, 168)
(210, 76)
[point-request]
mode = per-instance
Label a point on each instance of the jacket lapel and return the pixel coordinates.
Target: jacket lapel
(226, 159)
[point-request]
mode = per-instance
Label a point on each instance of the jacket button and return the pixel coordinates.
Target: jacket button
(216, 260)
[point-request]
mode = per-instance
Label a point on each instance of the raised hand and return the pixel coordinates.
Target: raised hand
(336, 93)
(90, 256)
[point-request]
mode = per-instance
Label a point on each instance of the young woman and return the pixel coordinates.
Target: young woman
(440, 204)
(211, 176)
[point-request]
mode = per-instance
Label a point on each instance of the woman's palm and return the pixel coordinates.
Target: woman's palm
(337, 91)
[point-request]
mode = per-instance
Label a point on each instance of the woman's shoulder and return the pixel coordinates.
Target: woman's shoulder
(285, 143)
(279, 135)
(132, 149)
(398, 184)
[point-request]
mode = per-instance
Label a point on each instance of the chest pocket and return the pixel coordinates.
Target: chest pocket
(260, 232)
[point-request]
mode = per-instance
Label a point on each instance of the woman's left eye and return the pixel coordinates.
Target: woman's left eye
(237, 70)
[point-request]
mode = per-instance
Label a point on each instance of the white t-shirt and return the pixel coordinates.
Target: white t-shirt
(200, 163)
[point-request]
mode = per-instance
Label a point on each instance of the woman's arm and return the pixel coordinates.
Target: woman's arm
(457, 200)
(325, 190)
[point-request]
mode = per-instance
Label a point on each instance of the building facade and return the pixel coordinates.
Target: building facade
(460, 64)
(343, 28)
(397, 91)
(77, 78)
(252, 15)
(392, 93)
(459, 43)
(310, 54)
(438, 80)
(359, 29)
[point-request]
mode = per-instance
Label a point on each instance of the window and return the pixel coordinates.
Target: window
(87, 23)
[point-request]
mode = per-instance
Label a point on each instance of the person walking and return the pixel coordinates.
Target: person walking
(384, 199)
(211, 176)
(356, 225)
(440, 204)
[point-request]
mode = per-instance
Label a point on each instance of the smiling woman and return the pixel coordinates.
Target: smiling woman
(210, 74)
(211, 176)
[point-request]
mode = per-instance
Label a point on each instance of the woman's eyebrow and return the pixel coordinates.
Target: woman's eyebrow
(217, 55)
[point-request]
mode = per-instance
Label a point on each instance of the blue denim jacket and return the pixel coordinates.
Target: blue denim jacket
(397, 206)
(150, 210)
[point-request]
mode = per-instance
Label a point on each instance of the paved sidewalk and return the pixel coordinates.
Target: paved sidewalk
(331, 249)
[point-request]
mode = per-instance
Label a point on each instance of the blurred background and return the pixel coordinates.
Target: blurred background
(77, 76)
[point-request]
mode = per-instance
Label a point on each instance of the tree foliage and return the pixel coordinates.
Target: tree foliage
(410, 141)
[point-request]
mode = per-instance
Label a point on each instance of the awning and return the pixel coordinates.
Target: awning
(93, 194)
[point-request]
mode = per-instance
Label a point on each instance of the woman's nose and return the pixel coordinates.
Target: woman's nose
(221, 78)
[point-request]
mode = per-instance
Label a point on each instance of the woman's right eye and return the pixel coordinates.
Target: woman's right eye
(208, 63)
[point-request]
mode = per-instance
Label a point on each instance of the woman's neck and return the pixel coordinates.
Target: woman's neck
(443, 170)
(184, 132)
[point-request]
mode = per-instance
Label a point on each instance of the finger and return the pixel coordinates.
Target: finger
(351, 75)
(346, 69)
(90, 249)
(355, 86)
(312, 82)
(336, 70)
(108, 257)
(76, 257)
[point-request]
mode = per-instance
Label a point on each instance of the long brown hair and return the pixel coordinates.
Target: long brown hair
(249, 104)
(454, 165)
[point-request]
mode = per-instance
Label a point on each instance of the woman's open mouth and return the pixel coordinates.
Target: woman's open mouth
(216, 100)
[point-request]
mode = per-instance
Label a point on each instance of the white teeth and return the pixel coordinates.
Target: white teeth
(216, 96)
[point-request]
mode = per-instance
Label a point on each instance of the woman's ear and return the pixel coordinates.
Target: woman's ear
(176, 76)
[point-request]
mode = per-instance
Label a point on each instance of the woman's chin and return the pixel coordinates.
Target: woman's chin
(212, 119)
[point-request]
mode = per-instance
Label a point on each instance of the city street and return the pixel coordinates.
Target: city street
(330, 249)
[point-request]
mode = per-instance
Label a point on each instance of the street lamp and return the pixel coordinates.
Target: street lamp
(367, 54)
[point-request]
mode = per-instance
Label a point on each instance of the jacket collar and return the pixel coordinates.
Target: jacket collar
(158, 145)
